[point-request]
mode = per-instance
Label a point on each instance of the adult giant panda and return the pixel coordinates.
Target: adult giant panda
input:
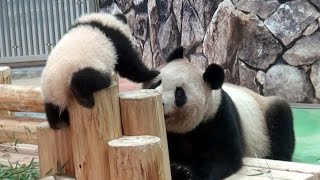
(212, 125)
(83, 60)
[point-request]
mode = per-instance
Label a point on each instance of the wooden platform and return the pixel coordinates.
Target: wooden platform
(253, 169)
(270, 169)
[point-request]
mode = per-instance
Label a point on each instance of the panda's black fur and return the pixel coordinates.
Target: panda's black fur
(214, 148)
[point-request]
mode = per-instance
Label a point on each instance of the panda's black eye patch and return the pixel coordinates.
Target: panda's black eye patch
(180, 97)
(155, 85)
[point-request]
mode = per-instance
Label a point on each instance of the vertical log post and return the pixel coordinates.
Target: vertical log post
(136, 158)
(5, 78)
(142, 114)
(91, 129)
(55, 150)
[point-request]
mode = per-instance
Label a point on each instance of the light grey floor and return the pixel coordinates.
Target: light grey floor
(27, 81)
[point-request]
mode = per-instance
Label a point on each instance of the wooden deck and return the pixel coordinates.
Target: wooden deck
(253, 168)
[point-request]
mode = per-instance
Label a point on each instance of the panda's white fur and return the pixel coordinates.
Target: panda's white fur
(252, 120)
(195, 114)
(75, 51)
(211, 125)
(81, 63)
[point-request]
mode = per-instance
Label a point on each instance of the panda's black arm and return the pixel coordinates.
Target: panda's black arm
(129, 63)
(217, 153)
(210, 165)
(131, 66)
(206, 169)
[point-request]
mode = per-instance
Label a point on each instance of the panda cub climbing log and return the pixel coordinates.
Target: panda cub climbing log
(83, 60)
(212, 125)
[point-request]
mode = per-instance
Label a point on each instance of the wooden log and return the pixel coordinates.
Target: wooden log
(5, 75)
(21, 98)
(5, 78)
(58, 178)
(25, 98)
(141, 114)
(27, 149)
(91, 129)
(55, 150)
(20, 129)
(136, 158)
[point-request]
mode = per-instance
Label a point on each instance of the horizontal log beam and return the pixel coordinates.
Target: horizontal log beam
(21, 98)
(22, 130)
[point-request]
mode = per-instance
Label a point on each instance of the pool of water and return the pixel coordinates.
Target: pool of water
(307, 131)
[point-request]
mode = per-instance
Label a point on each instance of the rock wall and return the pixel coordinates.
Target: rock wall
(269, 47)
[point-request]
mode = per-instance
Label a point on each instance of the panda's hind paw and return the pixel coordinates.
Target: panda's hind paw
(180, 172)
(87, 102)
(55, 119)
(86, 82)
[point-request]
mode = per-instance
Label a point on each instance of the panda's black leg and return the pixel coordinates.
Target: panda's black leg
(56, 121)
(281, 132)
(87, 81)
(131, 66)
(180, 172)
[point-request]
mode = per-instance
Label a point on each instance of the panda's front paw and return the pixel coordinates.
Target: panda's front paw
(153, 74)
(86, 102)
(180, 172)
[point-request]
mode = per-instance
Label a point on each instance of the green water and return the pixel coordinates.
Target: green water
(307, 131)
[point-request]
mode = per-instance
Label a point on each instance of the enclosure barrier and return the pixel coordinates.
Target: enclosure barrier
(18, 99)
(141, 157)
(122, 137)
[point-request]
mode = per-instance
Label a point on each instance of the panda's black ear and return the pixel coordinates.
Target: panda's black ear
(121, 17)
(177, 53)
(214, 76)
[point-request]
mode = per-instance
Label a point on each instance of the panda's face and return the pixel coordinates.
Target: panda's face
(184, 95)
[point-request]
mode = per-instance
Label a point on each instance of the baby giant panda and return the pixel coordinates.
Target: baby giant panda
(212, 125)
(83, 60)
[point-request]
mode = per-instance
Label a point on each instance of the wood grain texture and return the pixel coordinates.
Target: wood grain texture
(21, 98)
(136, 158)
(58, 178)
(91, 129)
(5, 78)
(5, 75)
(27, 149)
(55, 150)
(19, 129)
(142, 114)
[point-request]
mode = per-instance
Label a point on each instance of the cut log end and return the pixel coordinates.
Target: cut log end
(136, 158)
(5, 78)
(142, 114)
(134, 141)
(4, 68)
(139, 94)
